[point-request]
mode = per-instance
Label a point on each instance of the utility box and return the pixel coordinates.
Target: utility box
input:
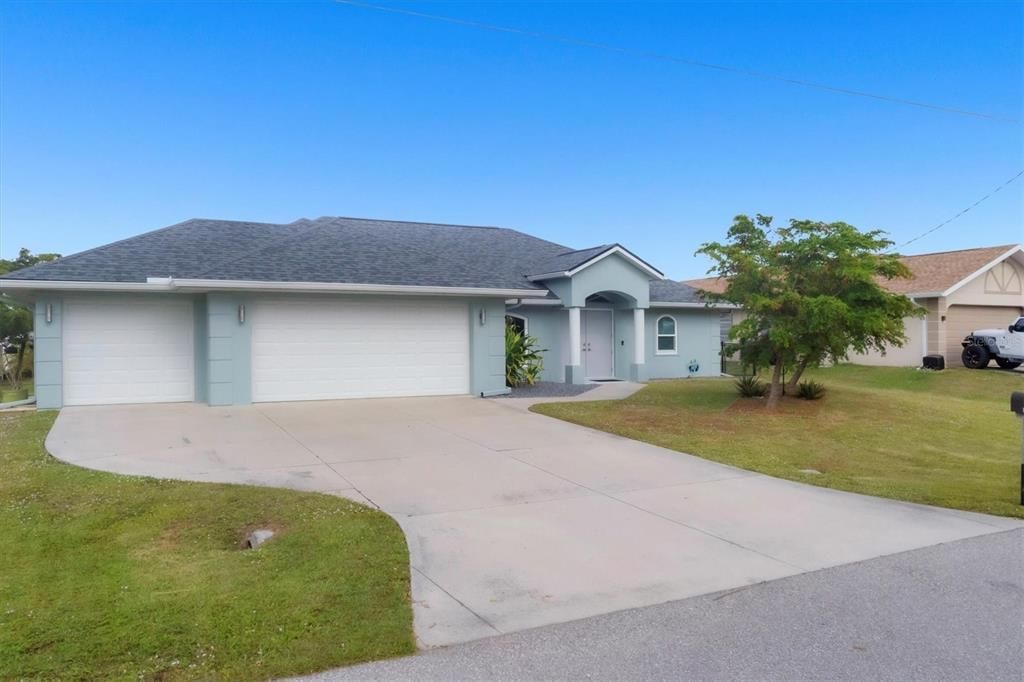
(933, 362)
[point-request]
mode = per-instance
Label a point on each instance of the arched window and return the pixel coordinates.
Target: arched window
(517, 322)
(666, 336)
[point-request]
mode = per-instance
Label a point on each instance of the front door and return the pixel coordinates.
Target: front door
(597, 344)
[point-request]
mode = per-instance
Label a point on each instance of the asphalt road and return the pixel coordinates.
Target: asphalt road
(949, 612)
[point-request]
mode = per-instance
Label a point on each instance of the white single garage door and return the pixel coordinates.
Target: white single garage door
(328, 348)
(127, 351)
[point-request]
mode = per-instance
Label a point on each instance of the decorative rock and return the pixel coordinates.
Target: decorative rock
(258, 537)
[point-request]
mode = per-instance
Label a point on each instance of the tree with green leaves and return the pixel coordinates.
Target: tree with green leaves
(16, 319)
(811, 293)
(26, 259)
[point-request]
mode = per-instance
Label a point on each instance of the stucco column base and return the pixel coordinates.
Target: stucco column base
(574, 374)
(638, 372)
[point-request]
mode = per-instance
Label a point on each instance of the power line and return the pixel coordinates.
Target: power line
(646, 54)
(948, 221)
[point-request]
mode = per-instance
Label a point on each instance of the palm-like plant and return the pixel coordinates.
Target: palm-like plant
(523, 359)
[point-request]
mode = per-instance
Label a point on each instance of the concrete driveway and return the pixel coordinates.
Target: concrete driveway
(515, 520)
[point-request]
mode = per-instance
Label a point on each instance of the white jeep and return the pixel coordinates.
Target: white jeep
(1005, 346)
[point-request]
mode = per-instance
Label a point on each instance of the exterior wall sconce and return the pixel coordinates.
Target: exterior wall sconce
(49, 313)
(241, 313)
(483, 316)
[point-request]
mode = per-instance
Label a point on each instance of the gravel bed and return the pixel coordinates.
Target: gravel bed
(548, 389)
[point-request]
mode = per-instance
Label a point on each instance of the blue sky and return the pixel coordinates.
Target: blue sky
(120, 118)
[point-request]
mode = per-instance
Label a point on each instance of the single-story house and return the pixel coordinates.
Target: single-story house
(229, 313)
(960, 290)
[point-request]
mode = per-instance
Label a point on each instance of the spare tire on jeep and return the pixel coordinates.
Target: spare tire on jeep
(975, 356)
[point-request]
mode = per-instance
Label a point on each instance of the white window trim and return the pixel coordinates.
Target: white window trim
(524, 318)
(674, 335)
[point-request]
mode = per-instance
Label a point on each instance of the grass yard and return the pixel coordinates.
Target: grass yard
(105, 576)
(941, 438)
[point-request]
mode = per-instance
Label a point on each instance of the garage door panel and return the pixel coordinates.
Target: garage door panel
(963, 319)
(118, 351)
(358, 349)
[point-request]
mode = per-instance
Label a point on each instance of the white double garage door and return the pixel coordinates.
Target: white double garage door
(139, 351)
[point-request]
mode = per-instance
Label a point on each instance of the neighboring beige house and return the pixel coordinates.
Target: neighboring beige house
(961, 291)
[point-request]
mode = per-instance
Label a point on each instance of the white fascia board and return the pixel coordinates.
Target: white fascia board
(707, 306)
(43, 285)
(625, 254)
(993, 263)
(598, 258)
(535, 301)
(344, 287)
(157, 284)
(547, 275)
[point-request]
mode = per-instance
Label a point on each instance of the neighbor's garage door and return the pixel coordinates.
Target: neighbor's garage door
(961, 320)
(127, 351)
(320, 349)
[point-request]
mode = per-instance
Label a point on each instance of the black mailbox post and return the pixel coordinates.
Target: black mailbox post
(1017, 407)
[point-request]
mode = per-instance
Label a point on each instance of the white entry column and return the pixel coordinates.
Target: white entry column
(638, 370)
(574, 370)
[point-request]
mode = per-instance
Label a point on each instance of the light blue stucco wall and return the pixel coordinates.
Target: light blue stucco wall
(548, 326)
(697, 340)
(487, 347)
(229, 351)
(201, 345)
(611, 274)
(47, 354)
(223, 348)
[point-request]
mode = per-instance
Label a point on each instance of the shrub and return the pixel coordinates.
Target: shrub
(810, 390)
(523, 360)
(751, 387)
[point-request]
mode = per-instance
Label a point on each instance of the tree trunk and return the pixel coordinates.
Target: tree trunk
(775, 390)
(798, 371)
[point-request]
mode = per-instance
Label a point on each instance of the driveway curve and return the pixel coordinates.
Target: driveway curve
(516, 520)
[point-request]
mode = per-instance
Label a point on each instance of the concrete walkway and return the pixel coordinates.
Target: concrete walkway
(515, 520)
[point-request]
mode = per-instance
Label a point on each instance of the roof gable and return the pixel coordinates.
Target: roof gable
(568, 263)
(938, 274)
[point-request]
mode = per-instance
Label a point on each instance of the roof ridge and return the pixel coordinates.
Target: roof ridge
(1006, 247)
(327, 219)
(589, 248)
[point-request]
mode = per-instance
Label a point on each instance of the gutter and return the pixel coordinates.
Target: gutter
(170, 284)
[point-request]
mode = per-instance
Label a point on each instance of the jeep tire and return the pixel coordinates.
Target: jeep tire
(1007, 363)
(975, 356)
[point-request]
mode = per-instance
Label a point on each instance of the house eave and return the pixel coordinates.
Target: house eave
(170, 284)
(706, 306)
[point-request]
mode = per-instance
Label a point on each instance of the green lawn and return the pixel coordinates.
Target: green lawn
(942, 438)
(107, 576)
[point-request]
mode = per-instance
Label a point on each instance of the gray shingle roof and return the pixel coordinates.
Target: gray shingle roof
(329, 250)
(667, 291)
(567, 260)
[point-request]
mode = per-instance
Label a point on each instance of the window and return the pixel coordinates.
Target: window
(666, 333)
(517, 322)
(1019, 326)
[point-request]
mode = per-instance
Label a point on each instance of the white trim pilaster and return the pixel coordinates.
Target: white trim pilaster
(639, 342)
